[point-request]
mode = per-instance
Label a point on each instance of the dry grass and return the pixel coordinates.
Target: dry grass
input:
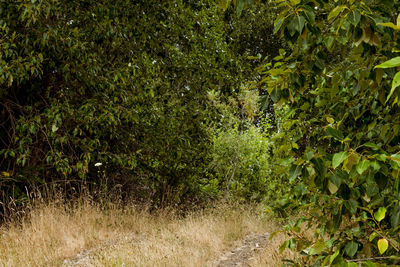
(52, 233)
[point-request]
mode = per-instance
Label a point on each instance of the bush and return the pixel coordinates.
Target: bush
(241, 162)
(86, 82)
(241, 148)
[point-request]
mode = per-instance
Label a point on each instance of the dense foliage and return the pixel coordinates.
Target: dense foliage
(240, 165)
(86, 82)
(151, 97)
(127, 96)
(340, 122)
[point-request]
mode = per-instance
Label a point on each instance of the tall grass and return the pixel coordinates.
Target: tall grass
(52, 234)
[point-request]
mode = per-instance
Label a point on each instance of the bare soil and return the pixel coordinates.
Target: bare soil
(242, 255)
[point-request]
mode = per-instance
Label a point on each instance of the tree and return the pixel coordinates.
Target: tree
(346, 153)
(339, 82)
(86, 82)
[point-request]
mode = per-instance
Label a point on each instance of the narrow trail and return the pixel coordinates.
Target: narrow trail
(239, 256)
(242, 255)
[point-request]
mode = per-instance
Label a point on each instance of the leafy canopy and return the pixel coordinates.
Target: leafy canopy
(339, 81)
(122, 83)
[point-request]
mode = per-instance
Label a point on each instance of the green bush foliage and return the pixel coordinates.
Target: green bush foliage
(337, 84)
(119, 83)
(241, 165)
(342, 119)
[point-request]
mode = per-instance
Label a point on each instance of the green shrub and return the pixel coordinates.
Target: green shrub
(241, 162)
(123, 83)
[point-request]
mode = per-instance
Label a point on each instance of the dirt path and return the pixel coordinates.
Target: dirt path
(242, 255)
(239, 256)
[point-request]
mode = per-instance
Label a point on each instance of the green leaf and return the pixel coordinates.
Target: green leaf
(375, 164)
(372, 145)
(354, 17)
(309, 155)
(332, 187)
(224, 4)
(351, 248)
(294, 171)
(292, 243)
(295, 2)
(300, 189)
(239, 7)
(278, 24)
(351, 205)
(333, 257)
(372, 190)
(337, 220)
(271, 236)
(395, 218)
(372, 236)
(372, 125)
(391, 63)
(362, 166)
(54, 128)
(298, 23)
(381, 157)
(395, 84)
(335, 12)
(329, 41)
(283, 246)
(338, 158)
(319, 166)
(383, 245)
(352, 160)
(334, 183)
(380, 214)
(318, 247)
(310, 16)
(369, 264)
(335, 133)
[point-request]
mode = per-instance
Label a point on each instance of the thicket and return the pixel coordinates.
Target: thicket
(122, 96)
(110, 93)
